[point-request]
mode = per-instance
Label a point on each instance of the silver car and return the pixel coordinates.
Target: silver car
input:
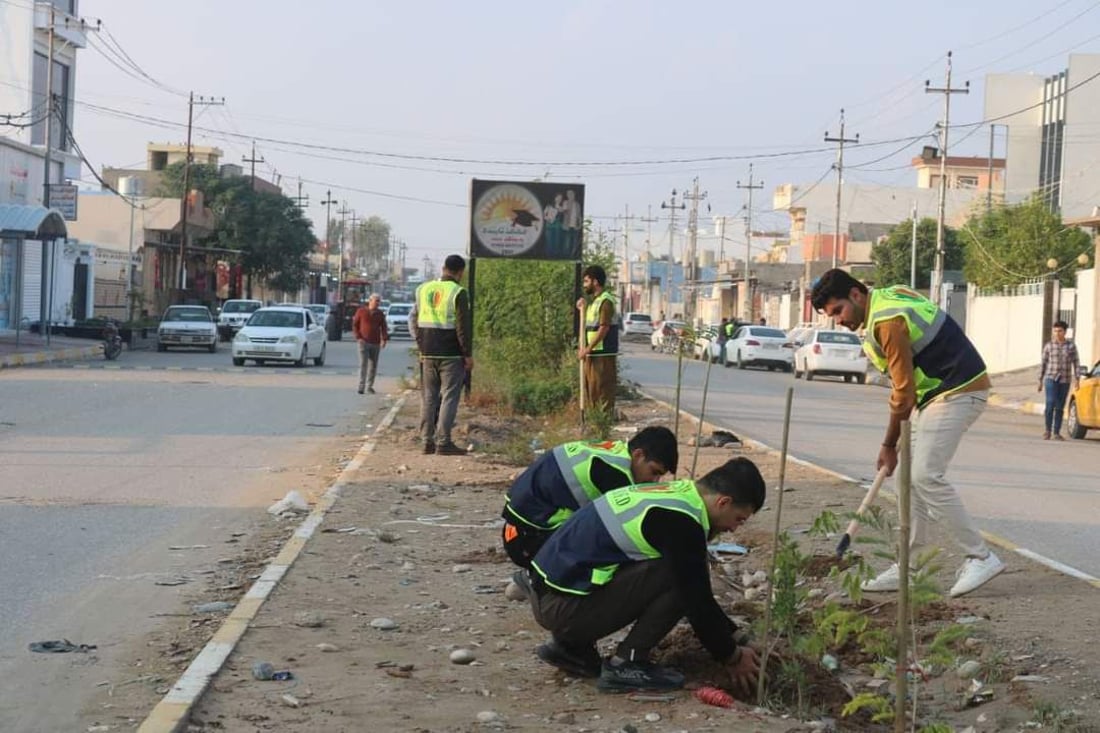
(187, 325)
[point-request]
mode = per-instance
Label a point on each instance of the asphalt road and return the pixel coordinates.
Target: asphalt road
(105, 465)
(1043, 496)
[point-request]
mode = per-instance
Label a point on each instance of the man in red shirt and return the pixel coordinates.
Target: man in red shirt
(369, 327)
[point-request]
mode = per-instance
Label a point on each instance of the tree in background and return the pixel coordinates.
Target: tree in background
(372, 243)
(267, 228)
(1011, 244)
(892, 256)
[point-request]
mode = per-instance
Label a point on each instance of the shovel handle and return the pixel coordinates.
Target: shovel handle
(869, 499)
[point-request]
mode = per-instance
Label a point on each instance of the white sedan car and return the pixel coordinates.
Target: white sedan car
(760, 346)
(831, 353)
(280, 333)
(187, 325)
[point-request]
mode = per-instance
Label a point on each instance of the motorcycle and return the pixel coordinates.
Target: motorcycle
(112, 341)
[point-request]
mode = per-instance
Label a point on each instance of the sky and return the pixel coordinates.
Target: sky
(394, 107)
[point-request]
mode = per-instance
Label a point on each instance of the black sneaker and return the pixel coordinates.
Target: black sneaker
(631, 676)
(360, 390)
(449, 449)
(578, 661)
(429, 447)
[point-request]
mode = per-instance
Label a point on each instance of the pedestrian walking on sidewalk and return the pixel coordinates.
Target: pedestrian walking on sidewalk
(1058, 376)
(440, 323)
(638, 557)
(369, 327)
(938, 375)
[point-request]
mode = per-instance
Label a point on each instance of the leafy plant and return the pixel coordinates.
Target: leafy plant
(880, 708)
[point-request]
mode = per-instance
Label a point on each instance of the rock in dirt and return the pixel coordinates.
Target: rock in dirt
(462, 656)
(968, 669)
(262, 671)
(513, 592)
(290, 701)
(563, 718)
(488, 716)
(309, 620)
(214, 607)
(462, 568)
(383, 624)
(652, 717)
(325, 647)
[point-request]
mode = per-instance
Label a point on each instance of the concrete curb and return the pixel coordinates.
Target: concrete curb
(991, 538)
(172, 712)
(1028, 407)
(42, 357)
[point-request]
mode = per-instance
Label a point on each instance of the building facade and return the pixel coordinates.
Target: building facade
(1052, 148)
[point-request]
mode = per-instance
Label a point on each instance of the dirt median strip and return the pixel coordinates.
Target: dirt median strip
(172, 712)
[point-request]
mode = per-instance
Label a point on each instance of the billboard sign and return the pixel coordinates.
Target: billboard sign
(63, 198)
(526, 220)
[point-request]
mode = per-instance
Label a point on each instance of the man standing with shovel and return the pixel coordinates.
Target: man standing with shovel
(938, 374)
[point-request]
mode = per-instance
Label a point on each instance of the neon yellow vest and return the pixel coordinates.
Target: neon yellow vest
(435, 304)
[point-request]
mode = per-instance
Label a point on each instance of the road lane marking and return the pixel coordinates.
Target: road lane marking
(172, 712)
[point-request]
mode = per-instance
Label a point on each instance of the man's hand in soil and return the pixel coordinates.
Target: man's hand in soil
(744, 668)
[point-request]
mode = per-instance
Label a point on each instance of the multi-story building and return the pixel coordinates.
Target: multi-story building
(25, 70)
(968, 172)
(159, 156)
(1052, 147)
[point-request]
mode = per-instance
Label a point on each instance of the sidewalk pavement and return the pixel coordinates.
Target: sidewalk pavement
(32, 349)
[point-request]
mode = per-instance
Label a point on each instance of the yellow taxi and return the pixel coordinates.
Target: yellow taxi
(1084, 405)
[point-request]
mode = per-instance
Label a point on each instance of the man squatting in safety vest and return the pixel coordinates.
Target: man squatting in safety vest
(638, 555)
(571, 475)
(938, 374)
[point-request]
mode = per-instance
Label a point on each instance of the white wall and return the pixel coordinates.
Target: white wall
(1081, 156)
(1086, 317)
(16, 62)
(1004, 94)
(1007, 330)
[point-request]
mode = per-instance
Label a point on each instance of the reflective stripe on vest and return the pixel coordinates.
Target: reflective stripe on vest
(575, 461)
(592, 324)
(435, 304)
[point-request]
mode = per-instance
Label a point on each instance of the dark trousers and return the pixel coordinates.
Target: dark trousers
(521, 543)
(1056, 393)
(642, 593)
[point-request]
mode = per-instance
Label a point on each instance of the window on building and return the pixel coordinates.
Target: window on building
(62, 107)
(66, 6)
(967, 182)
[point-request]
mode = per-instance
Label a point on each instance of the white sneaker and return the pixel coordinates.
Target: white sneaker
(975, 573)
(886, 581)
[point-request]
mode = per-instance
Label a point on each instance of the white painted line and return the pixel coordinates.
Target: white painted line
(171, 713)
(1057, 566)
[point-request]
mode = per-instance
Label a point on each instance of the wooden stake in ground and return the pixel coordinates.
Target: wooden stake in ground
(702, 414)
(775, 546)
(679, 383)
(901, 670)
(581, 343)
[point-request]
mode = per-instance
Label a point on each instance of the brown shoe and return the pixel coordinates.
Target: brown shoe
(429, 448)
(449, 449)
(1058, 436)
(1046, 436)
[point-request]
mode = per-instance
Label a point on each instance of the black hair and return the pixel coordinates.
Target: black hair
(596, 273)
(1060, 324)
(454, 263)
(835, 283)
(740, 480)
(658, 443)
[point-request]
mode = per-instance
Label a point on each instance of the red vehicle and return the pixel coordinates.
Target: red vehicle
(353, 293)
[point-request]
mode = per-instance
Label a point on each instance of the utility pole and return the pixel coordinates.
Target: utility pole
(343, 212)
(648, 220)
(946, 91)
(989, 182)
(354, 219)
(691, 275)
(46, 284)
(327, 203)
(302, 200)
(750, 187)
(672, 206)
(841, 141)
(628, 293)
(191, 102)
(254, 160)
(913, 252)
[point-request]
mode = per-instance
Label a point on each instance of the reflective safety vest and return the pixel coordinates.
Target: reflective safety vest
(435, 304)
(560, 482)
(944, 359)
(586, 551)
(610, 344)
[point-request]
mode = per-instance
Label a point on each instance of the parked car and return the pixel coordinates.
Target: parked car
(825, 352)
(322, 312)
(664, 334)
(637, 326)
(233, 314)
(1084, 405)
(281, 333)
(760, 346)
(706, 343)
(397, 319)
(187, 325)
